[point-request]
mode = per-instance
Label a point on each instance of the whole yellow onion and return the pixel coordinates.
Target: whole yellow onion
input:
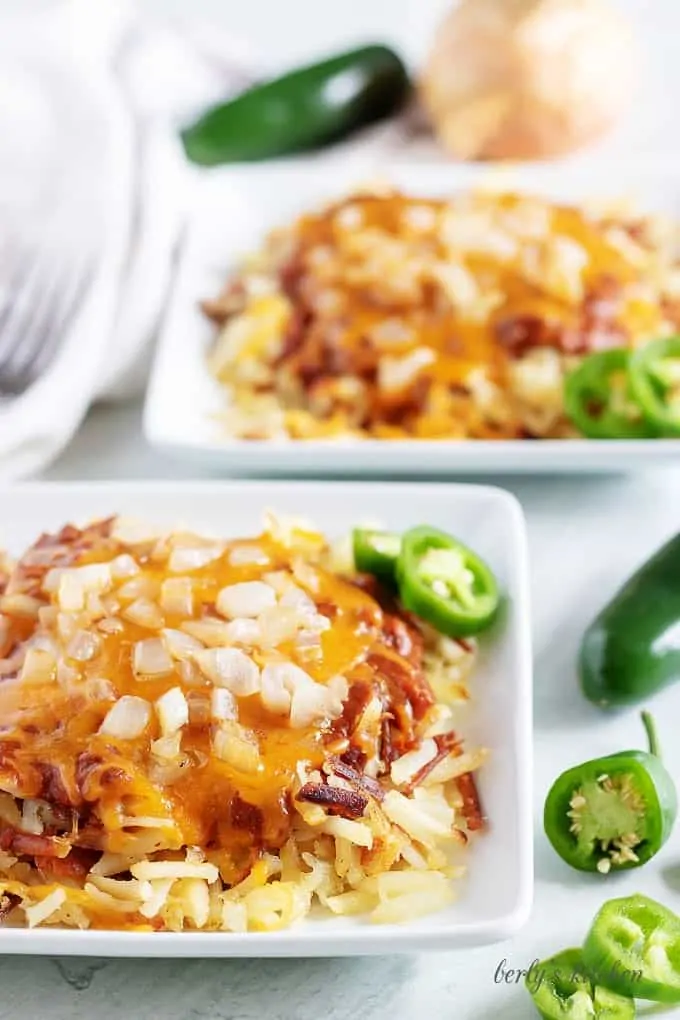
(526, 79)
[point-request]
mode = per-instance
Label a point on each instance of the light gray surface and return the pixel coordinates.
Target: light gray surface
(585, 535)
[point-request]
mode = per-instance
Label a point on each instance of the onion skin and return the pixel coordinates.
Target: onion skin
(527, 79)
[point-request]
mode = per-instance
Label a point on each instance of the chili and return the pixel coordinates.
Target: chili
(445, 583)
(654, 373)
(634, 945)
(612, 813)
(597, 398)
(562, 989)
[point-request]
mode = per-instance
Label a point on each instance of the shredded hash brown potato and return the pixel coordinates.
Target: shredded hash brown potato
(215, 735)
(389, 316)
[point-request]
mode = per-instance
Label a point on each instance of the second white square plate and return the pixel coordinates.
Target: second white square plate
(234, 210)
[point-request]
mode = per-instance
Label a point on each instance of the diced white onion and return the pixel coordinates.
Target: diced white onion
(237, 746)
(279, 580)
(38, 667)
(172, 711)
(179, 644)
(275, 690)
(249, 598)
(277, 625)
(190, 674)
(242, 631)
(144, 613)
(177, 596)
(287, 689)
(128, 718)
(299, 600)
(66, 675)
(98, 688)
(211, 632)
(309, 703)
(167, 748)
(76, 582)
(111, 625)
(124, 566)
(244, 555)
(138, 588)
(151, 659)
(187, 558)
(223, 704)
(230, 668)
(130, 531)
(51, 580)
(83, 646)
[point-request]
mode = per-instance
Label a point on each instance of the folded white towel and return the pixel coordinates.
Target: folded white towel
(90, 95)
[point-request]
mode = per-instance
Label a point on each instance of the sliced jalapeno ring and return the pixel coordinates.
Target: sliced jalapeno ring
(446, 584)
(612, 813)
(634, 946)
(654, 372)
(598, 399)
(561, 989)
(376, 552)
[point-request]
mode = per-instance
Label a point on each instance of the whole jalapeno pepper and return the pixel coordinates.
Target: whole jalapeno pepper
(631, 650)
(612, 813)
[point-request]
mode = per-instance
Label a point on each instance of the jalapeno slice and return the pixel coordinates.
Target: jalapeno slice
(612, 813)
(562, 989)
(654, 373)
(445, 583)
(597, 398)
(634, 946)
(376, 552)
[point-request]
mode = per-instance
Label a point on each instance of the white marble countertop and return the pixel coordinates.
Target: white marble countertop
(585, 536)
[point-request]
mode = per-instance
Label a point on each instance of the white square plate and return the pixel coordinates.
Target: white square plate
(495, 896)
(233, 211)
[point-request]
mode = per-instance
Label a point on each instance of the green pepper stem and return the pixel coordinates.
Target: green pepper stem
(650, 730)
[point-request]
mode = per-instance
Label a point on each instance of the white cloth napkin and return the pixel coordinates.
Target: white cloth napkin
(91, 96)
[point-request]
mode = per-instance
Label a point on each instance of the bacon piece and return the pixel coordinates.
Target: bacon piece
(521, 333)
(354, 757)
(410, 683)
(472, 809)
(29, 844)
(74, 867)
(447, 743)
(388, 752)
(359, 696)
(54, 789)
(367, 783)
(337, 801)
(246, 816)
(403, 634)
(8, 901)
